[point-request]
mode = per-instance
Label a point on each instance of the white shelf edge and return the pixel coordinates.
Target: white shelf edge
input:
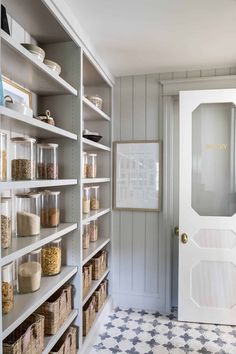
(102, 243)
(95, 284)
(37, 183)
(95, 180)
(95, 109)
(94, 215)
(96, 146)
(41, 296)
(53, 234)
(37, 63)
(11, 114)
(50, 341)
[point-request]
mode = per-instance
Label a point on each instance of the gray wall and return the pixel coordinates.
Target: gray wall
(143, 241)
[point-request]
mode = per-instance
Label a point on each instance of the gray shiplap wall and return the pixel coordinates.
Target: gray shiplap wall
(143, 242)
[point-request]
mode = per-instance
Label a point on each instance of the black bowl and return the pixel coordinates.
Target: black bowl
(92, 137)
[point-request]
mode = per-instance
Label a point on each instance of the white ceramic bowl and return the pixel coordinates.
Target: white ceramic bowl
(20, 108)
(38, 52)
(53, 66)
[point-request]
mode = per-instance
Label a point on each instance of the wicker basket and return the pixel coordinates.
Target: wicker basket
(28, 338)
(87, 278)
(56, 309)
(86, 319)
(99, 264)
(67, 343)
(96, 100)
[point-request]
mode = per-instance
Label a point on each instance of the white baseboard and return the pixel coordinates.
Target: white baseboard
(139, 301)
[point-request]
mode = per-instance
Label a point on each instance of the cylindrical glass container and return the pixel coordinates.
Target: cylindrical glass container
(29, 272)
(50, 208)
(94, 198)
(93, 230)
(3, 156)
(92, 166)
(24, 159)
(86, 236)
(84, 164)
(86, 200)
(7, 288)
(27, 214)
(47, 161)
(6, 222)
(51, 258)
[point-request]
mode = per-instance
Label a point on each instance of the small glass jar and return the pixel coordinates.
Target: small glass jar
(86, 236)
(47, 161)
(51, 258)
(50, 208)
(84, 164)
(86, 200)
(24, 159)
(29, 272)
(27, 214)
(7, 288)
(93, 230)
(6, 221)
(94, 198)
(3, 156)
(92, 166)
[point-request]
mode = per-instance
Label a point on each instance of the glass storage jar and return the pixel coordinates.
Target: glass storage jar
(50, 208)
(86, 200)
(7, 288)
(3, 156)
(47, 161)
(24, 159)
(51, 258)
(27, 214)
(6, 221)
(93, 230)
(29, 272)
(94, 198)
(86, 236)
(84, 164)
(92, 166)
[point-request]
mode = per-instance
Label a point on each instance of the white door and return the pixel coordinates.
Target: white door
(207, 225)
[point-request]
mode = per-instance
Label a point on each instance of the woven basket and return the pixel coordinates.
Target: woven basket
(67, 343)
(28, 338)
(56, 309)
(99, 264)
(87, 278)
(86, 319)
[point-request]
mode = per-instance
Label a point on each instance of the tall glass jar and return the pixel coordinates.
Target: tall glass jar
(47, 161)
(3, 156)
(86, 200)
(51, 258)
(24, 159)
(93, 230)
(29, 272)
(84, 164)
(86, 235)
(27, 214)
(92, 166)
(7, 288)
(6, 221)
(94, 198)
(50, 208)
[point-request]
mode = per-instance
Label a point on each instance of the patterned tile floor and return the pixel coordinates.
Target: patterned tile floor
(140, 332)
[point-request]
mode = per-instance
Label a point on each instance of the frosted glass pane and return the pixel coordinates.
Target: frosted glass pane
(213, 159)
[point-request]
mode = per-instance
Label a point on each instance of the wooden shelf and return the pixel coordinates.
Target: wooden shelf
(26, 304)
(41, 183)
(91, 145)
(13, 120)
(93, 215)
(94, 248)
(94, 285)
(21, 66)
(23, 245)
(91, 112)
(95, 180)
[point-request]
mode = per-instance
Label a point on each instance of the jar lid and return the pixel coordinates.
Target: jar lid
(36, 251)
(86, 188)
(47, 145)
(92, 155)
(95, 187)
(56, 241)
(23, 140)
(28, 195)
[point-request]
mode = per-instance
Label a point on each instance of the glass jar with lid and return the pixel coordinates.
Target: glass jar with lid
(29, 272)
(27, 214)
(50, 208)
(3, 156)
(51, 258)
(84, 164)
(7, 288)
(86, 200)
(24, 158)
(47, 161)
(93, 230)
(92, 166)
(94, 198)
(6, 221)
(86, 235)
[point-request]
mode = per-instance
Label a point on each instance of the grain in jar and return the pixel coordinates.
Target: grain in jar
(29, 272)
(51, 258)
(84, 164)
(86, 236)
(93, 230)
(47, 161)
(94, 200)
(6, 221)
(7, 288)
(28, 214)
(50, 208)
(24, 159)
(92, 166)
(3, 156)
(86, 200)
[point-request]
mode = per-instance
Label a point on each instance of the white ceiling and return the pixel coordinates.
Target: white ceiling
(145, 36)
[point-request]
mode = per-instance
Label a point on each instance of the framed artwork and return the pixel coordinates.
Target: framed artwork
(137, 175)
(17, 92)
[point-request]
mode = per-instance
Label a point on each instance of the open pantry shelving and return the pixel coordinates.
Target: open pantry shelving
(65, 96)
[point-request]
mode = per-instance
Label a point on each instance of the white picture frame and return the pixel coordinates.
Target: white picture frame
(137, 175)
(17, 92)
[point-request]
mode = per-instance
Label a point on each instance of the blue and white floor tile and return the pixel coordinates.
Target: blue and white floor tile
(140, 332)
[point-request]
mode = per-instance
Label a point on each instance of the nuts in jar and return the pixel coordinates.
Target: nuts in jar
(93, 231)
(7, 297)
(51, 258)
(94, 198)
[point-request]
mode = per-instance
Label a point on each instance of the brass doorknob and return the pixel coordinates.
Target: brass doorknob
(184, 238)
(176, 230)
